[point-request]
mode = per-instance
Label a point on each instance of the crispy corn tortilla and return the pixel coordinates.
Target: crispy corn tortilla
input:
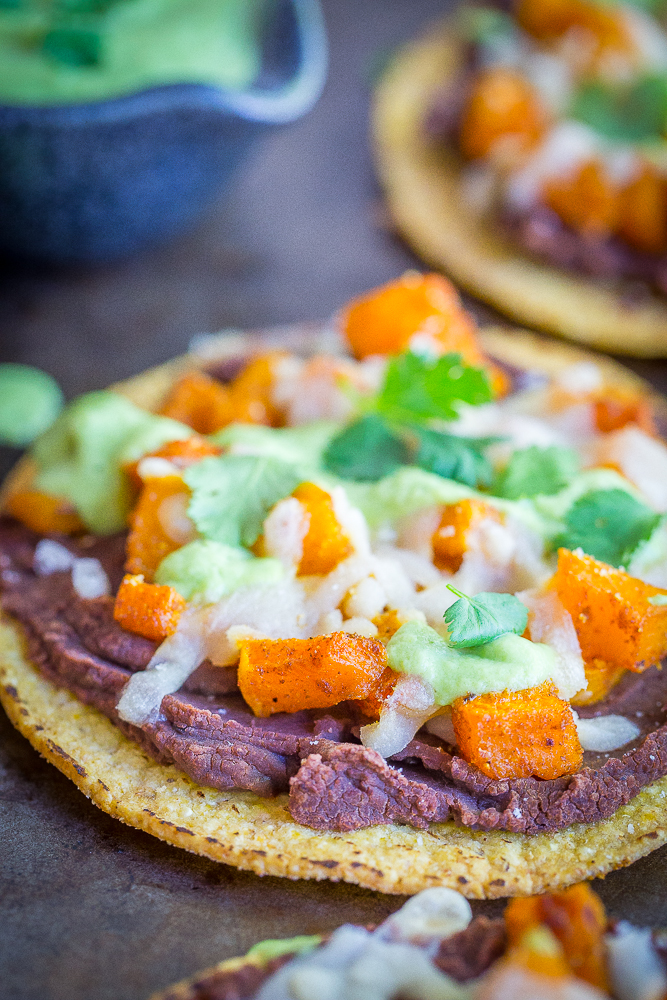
(422, 181)
(259, 835)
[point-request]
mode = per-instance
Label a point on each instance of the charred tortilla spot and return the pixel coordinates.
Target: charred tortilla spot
(61, 753)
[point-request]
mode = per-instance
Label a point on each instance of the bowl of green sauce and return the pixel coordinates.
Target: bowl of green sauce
(121, 120)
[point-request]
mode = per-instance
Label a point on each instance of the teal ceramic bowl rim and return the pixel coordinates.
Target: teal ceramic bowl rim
(266, 105)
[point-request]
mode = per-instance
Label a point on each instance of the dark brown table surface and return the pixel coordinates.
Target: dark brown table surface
(90, 909)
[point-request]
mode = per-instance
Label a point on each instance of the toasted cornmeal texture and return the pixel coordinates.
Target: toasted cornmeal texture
(426, 197)
(286, 675)
(148, 609)
(516, 734)
(260, 835)
(611, 612)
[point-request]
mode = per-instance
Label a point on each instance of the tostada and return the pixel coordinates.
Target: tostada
(522, 147)
(389, 607)
(559, 946)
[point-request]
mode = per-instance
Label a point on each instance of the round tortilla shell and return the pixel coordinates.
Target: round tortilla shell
(259, 835)
(422, 182)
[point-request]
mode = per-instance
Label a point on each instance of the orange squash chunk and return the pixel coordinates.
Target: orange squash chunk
(611, 612)
(643, 212)
(516, 734)
(325, 544)
(576, 917)
(614, 408)
(601, 677)
(148, 609)
(251, 391)
(502, 105)
(450, 541)
(287, 675)
(372, 705)
(201, 402)
(385, 320)
(585, 201)
(181, 453)
(43, 513)
(149, 541)
(550, 19)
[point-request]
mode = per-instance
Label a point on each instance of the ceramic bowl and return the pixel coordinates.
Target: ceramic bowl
(93, 182)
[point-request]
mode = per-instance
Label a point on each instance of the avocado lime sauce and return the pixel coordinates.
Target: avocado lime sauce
(75, 51)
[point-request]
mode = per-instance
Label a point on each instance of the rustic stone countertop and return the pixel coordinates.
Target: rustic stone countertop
(90, 909)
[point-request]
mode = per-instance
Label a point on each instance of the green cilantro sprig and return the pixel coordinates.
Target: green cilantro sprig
(607, 524)
(473, 621)
(633, 112)
(392, 432)
(535, 471)
(418, 387)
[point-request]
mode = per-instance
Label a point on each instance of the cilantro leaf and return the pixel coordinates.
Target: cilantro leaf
(534, 471)
(418, 388)
(459, 458)
(366, 450)
(607, 524)
(624, 113)
(473, 621)
(232, 495)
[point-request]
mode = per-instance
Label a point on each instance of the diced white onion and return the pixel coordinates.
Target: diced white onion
(415, 533)
(367, 599)
(284, 531)
(606, 732)
(641, 458)
(171, 665)
(172, 514)
(352, 521)
(428, 918)
(89, 579)
(442, 726)
(580, 379)
(406, 710)
(359, 626)
(551, 624)
(154, 467)
(635, 968)
(52, 557)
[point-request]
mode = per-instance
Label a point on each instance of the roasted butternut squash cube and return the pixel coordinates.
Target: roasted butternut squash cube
(148, 609)
(325, 544)
(251, 391)
(158, 524)
(287, 675)
(180, 453)
(586, 200)
(201, 402)
(601, 677)
(451, 540)
(604, 24)
(385, 320)
(576, 917)
(611, 612)
(43, 513)
(502, 105)
(614, 408)
(643, 212)
(516, 734)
